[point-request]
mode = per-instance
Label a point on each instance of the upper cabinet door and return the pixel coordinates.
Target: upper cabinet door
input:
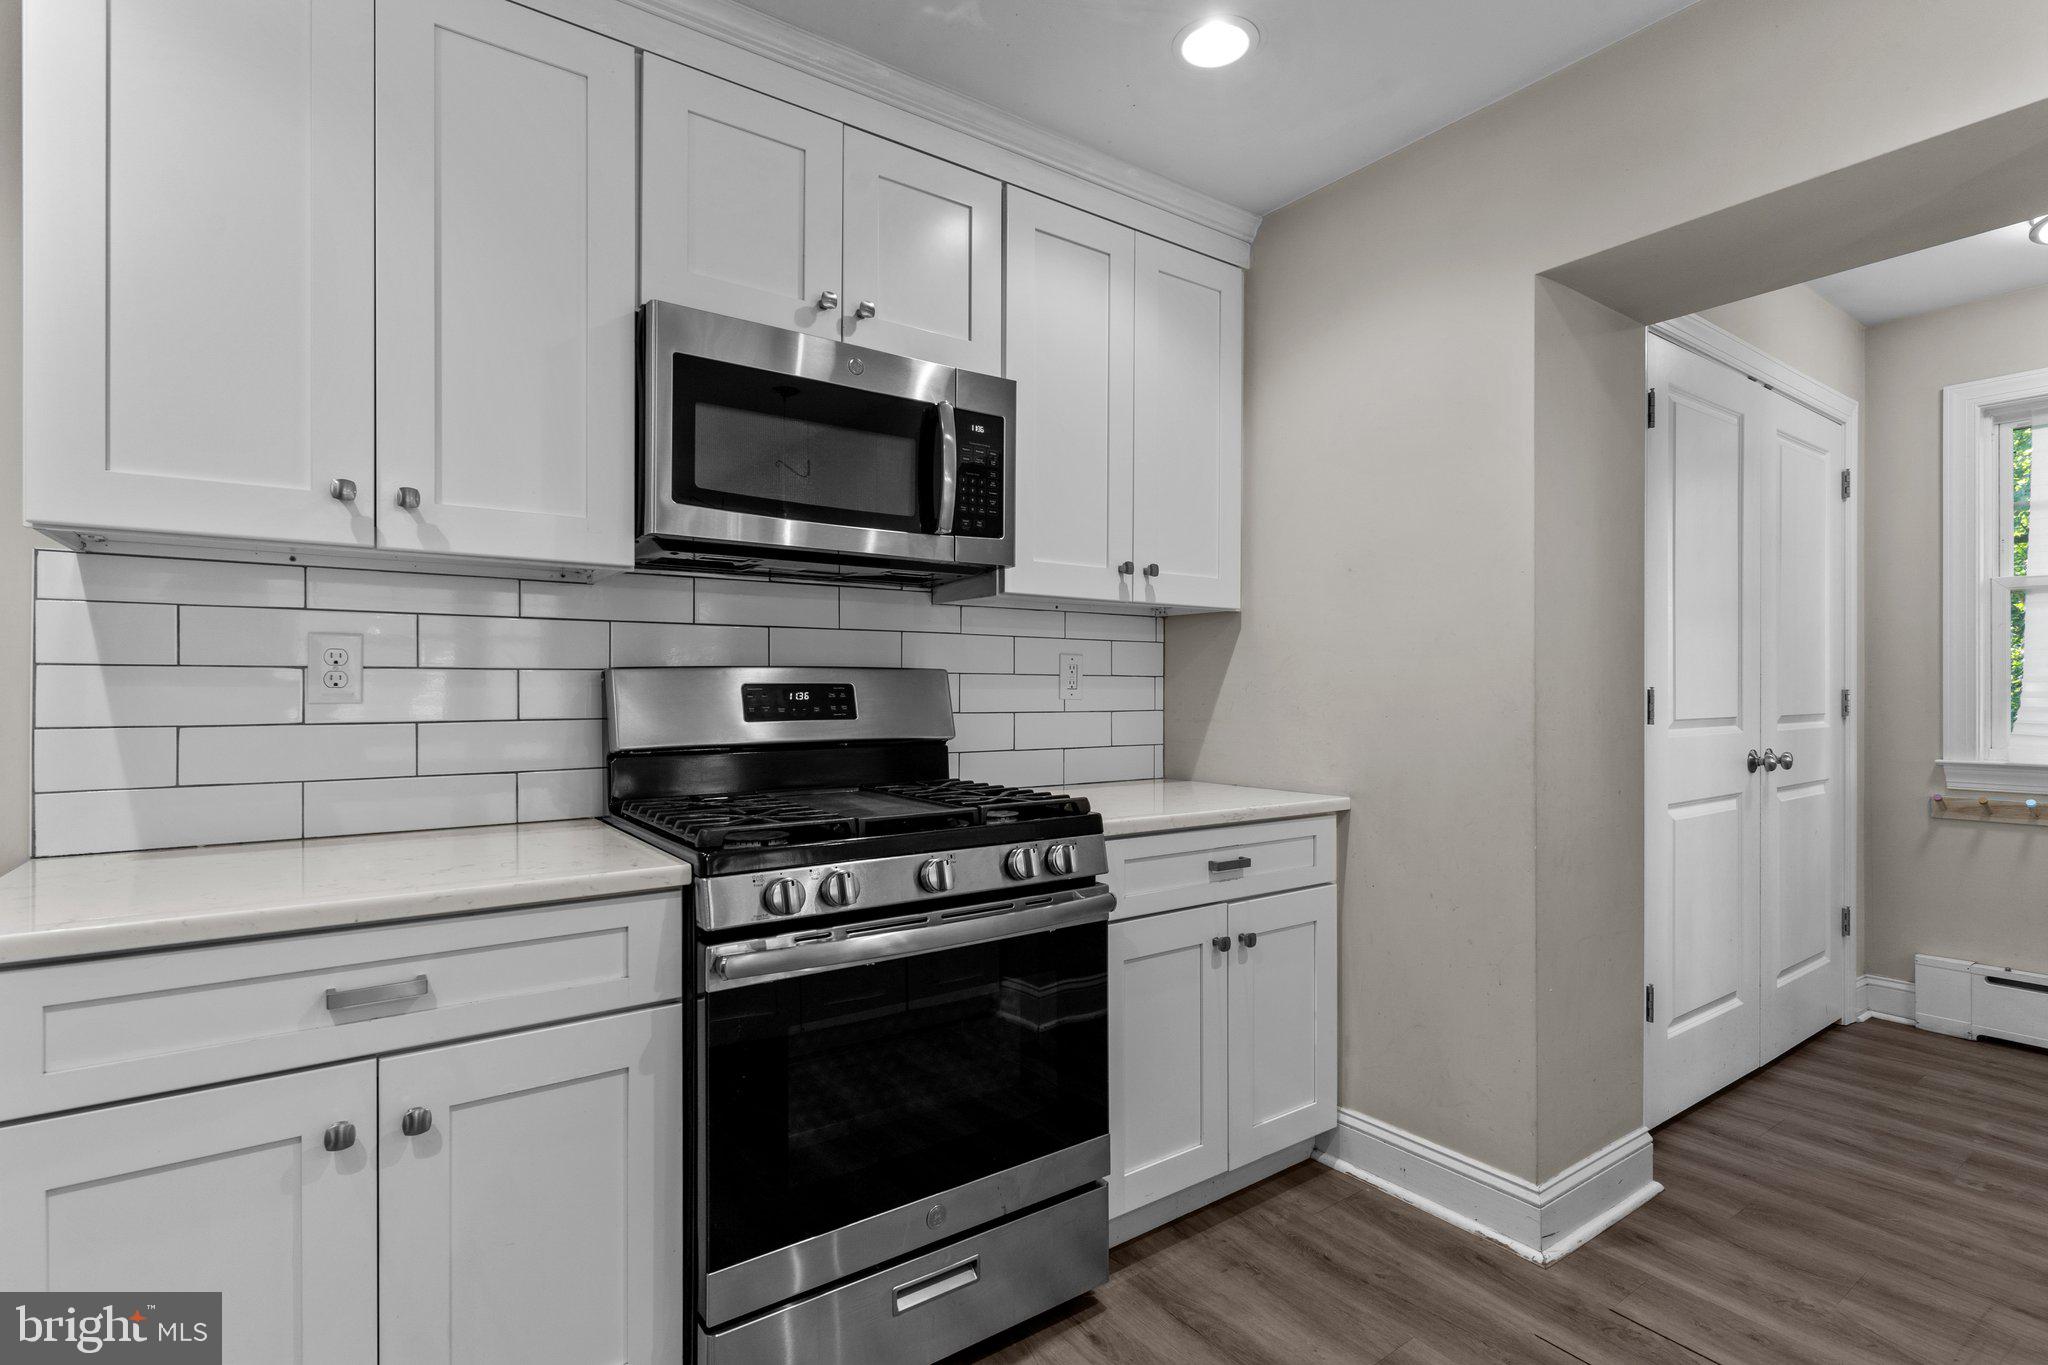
(1283, 1021)
(924, 256)
(505, 284)
(1187, 498)
(196, 290)
(1068, 286)
(739, 202)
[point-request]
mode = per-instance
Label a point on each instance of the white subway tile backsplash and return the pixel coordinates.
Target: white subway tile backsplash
(381, 590)
(510, 746)
(560, 694)
(136, 578)
(1015, 768)
(89, 760)
(835, 648)
(624, 597)
(983, 730)
(249, 637)
(106, 633)
(164, 817)
(292, 753)
(1063, 729)
(1137, 727)
(960, 653)
(166, 694)
(571, 795)
(1115, 694)
(1012, 621)
(1043, 656)
(742, 602)
(385, 805)
(1004, 692)
(637, 644)
(894, 609)
(1108, 765)
(491, 642)
(1133, 656)
(395, 694)
(1102, 625)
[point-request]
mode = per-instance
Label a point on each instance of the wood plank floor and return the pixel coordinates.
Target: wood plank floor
(1877, 1195)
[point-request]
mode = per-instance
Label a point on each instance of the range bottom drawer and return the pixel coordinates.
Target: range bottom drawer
(924, 1309)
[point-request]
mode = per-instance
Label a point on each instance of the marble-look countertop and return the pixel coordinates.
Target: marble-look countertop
(121, 902)
(1148, 807)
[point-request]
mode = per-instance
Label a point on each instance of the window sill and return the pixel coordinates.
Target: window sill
(1995, 775)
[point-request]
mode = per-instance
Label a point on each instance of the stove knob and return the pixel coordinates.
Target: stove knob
(1020, 864)
(936, 875)
(783, 897)
(1059, 859)
(839, 889)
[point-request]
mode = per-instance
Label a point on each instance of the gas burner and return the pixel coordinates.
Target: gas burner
(748, 820)
(996, 805)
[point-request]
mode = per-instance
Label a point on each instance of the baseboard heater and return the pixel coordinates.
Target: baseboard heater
(1980, 1000)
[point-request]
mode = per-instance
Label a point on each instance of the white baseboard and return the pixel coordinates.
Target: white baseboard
(1884, 997)
(1539, 1222)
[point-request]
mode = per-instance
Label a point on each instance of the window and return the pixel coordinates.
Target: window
(1994, 669)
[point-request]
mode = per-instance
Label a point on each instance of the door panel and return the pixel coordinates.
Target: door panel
(1283, 1024)
(740, 201)
(924, 244)
(1168, 1064)
(506, 290)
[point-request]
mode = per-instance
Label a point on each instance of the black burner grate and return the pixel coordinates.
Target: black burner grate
(757, 820)
(996, 805)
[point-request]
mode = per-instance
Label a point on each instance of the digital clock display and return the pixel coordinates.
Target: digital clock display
(789, 701)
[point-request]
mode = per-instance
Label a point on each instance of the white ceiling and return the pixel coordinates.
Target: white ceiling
(1955, 272)
(1332, 84)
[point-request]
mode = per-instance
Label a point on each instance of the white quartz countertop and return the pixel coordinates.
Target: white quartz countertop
(1148, 807)
(120, 902)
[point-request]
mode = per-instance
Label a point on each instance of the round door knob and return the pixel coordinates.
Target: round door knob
(1785, 761)
(340, 1137)
(828, 300)
(342, 490)
(1755, 760)
(783, 897)
(1020, 864)
(936, 875)
(839, 889)
(1151, 571)
(1770, 761)
(416, 1121)
(864, 309)
(1059, 860)
(409, 498)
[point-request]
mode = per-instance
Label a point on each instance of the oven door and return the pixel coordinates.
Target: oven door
(867, 1091)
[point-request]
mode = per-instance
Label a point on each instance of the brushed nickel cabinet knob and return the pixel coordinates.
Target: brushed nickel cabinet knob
(409, 498)
(342, 490)
(340, 1137)
(828, 300)
(416, 1122)
(865, 309)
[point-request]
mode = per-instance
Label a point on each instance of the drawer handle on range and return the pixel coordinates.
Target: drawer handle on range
(938, 1284)
(388, 993)
(1228, 865)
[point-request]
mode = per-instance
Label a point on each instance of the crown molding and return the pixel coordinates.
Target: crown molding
(766, 36)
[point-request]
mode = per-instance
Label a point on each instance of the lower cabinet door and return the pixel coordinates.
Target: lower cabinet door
(230, 1189)
(1168, 1058)
(1283, 1021)
(531, 1197)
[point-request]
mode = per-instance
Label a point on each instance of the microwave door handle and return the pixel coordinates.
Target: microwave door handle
(949, 468)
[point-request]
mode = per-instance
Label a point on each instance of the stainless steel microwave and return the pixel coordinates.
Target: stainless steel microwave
(768, 451)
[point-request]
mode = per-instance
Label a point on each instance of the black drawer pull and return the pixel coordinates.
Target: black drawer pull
(1217, 865)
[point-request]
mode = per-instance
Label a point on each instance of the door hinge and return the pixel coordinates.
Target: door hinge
(1845, 485)
(1649, 1004)
(1845, 703)
(1650, 706)
(1847, 920)
(1653, 407)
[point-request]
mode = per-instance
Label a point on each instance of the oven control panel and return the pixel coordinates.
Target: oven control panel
(978, 510)
(797, 701)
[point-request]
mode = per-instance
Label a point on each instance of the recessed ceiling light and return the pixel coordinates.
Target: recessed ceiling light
(1215, 42)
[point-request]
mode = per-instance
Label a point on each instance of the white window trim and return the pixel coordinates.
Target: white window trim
(1976, 743)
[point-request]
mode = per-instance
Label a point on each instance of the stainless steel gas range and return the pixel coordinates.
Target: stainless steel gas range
(898, 1090)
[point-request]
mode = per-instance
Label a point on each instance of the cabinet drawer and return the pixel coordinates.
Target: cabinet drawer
(83, 1033)
(1155, 872)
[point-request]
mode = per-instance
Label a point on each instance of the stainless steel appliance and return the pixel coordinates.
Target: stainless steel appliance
(898, 1087)
(763, 450)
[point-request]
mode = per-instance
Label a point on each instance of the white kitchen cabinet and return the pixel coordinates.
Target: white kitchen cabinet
(1169, 1076)
(740, 201)
(923, 253)
(506, 286)
(196, 297)
(1283, 1021)
(229, 1189)
(548, 1175)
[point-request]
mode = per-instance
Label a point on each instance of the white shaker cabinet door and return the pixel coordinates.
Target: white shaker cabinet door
(231, 1190)
(1283, 1021)
(535, 1215)
(196, 289)
(923, 255)
(1188, 468)
(506, 284)
(739, 206)
(1169, 1078)
(1067, 318)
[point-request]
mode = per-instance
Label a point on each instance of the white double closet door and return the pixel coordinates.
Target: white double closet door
(1743, 630)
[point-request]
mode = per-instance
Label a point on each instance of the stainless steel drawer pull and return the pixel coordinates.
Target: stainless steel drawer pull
(1217, 865)
(388, 993)
(938, 1284)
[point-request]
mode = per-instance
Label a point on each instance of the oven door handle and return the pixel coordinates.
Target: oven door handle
(740, 964)
(949, 469)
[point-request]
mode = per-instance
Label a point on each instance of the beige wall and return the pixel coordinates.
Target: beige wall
(1805, 331)
(1933, 886)
(17, 559)
(1420, 629)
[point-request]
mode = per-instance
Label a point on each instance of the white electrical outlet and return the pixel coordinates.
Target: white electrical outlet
(1070, 677)
(334, 669)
